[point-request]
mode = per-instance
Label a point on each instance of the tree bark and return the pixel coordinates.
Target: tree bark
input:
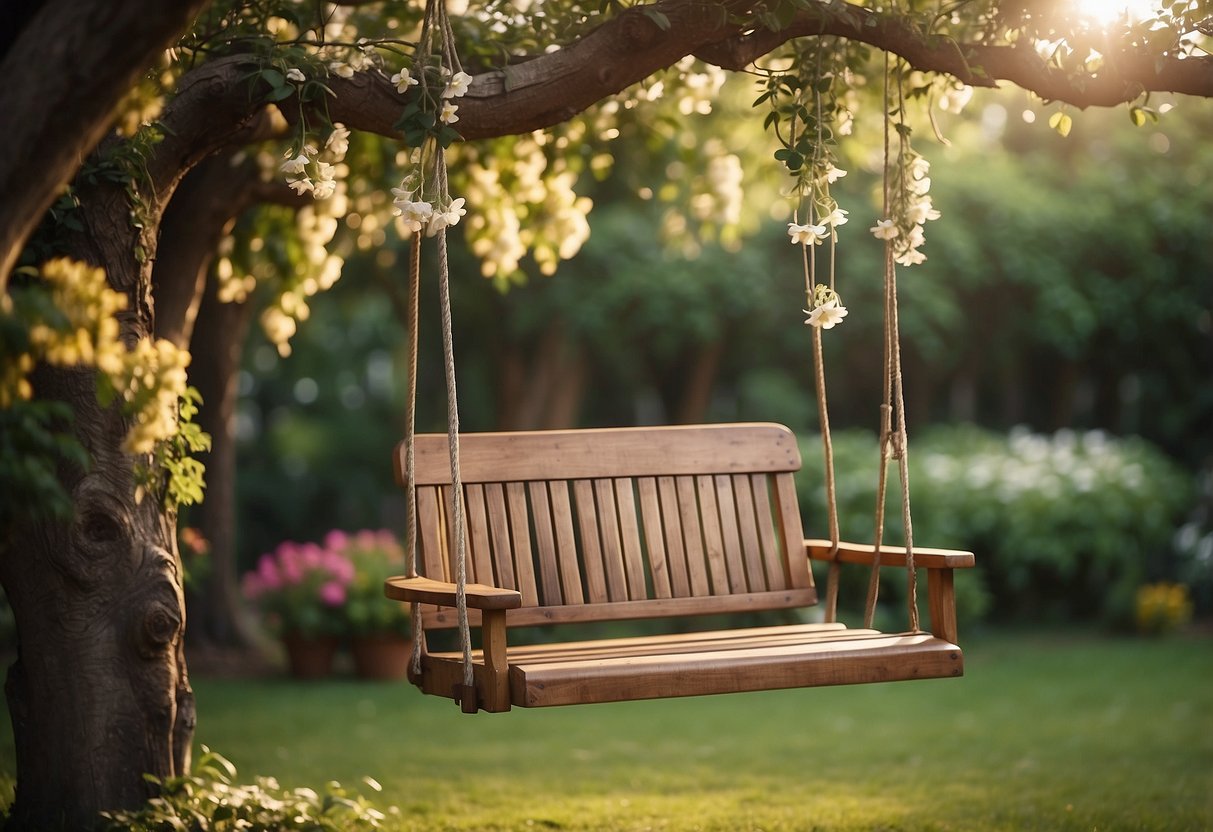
(99, 694)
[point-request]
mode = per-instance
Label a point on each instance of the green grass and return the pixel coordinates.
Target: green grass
(1044, 732)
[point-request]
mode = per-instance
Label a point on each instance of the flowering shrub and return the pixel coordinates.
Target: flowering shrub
(1162, 608)
(1063, 526)
(301, 588)
(376, 556)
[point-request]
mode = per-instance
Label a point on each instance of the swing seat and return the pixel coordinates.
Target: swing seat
(675, 523)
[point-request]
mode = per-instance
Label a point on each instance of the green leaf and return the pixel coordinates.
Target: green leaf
(658, 17)
(273, 77)
(280, 93)
(1061, 122)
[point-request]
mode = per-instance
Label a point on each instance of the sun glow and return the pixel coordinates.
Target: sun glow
(1107, 12)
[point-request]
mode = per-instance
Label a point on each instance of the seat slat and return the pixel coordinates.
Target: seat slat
(545, 543)
(629, 533)
(499, 528)
(566, 543)
(772, 559)
(841, 658)
(520, 532)
(692, 536)
(680, 584)
(748, 528)
(654, 541)
(591, 547)
(612, 548)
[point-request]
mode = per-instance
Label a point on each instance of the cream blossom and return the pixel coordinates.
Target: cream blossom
(339, 140)
(447, 218)
(294, 167)
(324, 188)
(447, 115)
(341, 69)
(416, 215)
(403, 80)
(325, 172)
(295, 74)
(458, 85)
(923, 211)
(835, 218)
(911, 257)
(833, 174)
(827, 315)
(884, 230)
(806, 234)
(300, 186)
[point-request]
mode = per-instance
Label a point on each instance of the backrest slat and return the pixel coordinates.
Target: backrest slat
(772, 558)
(499, 527)
(481, 555)
(791, 532)
(431, 525)
(654, 541)
(545, 543)
(729, 534)
(712, 544)
(629, 533)
(591, 546)
(680, 584)
(692, 536)
(520, 533)
(748, 528)
(603, 453)
(566, 543)
(612, 547)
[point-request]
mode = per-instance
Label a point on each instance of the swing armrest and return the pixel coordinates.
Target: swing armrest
(865, 553)
(939, 564)
(441, 593)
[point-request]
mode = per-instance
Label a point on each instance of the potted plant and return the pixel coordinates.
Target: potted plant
(378, 627)
(301, 589)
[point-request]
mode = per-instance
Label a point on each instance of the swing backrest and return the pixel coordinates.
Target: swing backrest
(618, 523)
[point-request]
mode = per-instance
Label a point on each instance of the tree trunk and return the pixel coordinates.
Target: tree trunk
(218, 613)
(99, 694)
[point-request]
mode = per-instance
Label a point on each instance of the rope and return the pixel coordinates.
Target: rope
(893, 442)
(452, 417)
(410, 432)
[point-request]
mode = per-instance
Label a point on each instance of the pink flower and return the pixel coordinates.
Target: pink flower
(311, 556)
(267, 571)
(332, 594)
(336, 540)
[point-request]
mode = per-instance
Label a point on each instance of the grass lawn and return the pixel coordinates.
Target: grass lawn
(1044, 732)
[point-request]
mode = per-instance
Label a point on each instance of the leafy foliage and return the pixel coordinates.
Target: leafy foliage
(209, 801)
(1063, 526)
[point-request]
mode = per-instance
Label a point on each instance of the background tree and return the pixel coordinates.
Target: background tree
(100, 692)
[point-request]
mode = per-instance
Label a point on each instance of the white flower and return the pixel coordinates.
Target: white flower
(324, 188)
(342, 69)
(416, 215)
(447, 116)
(294, 167)
(300, 186)
(833, 174)
(835, 218)
(922, 211)
(403, 80)
(339, 140)
(447, 218)
(806, 234)
(402, 194)
(884, 230)
(826, 316)
(296, 75)
(458, 85)
(912, 257)
(325, 172)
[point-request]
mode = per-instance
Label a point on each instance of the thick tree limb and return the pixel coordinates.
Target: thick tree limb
(95, 50)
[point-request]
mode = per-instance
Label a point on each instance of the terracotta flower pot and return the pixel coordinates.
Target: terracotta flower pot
(381, 656)
(310, 657)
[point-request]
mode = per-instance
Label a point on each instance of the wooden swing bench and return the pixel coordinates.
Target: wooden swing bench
(577, 526)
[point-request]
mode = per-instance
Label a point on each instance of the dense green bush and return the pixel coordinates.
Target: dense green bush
(1064, 526)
